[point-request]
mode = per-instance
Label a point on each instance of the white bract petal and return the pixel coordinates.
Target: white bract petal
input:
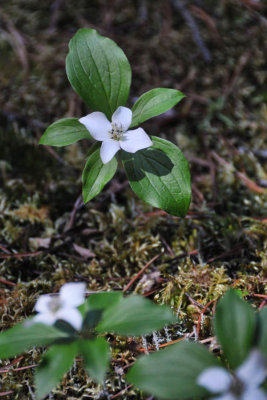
(122, 117)
(226, 396)
(114, 135)
(253, 371)
(72, 316)
(44, 318)
(215, 379)
(254, 394)
(62, 306)
(97, 124)
(135, 140)
(72, 294)
(42, 304)
(244, 386)
(108, 150)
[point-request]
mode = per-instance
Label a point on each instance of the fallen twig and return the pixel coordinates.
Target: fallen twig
(198, 12)
(239, 67)
(5, 282)
(202, 312)
(140, 273)
(77, 206)
(263, 303)
(179, 5)
(164, 344)
(13, 362)
(17, 41)
(20, 255)
(234, 250)
(6, 393)
(194, 302)
(121, 392)
(263, 296)
(247, 181)
(3, 371)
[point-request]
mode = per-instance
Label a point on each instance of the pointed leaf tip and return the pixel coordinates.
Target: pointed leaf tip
(153, 103)
(235, 324)
(64, 132)
(98, 71)
(160, 176)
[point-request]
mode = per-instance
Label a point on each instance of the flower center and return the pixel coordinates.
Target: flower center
(116, 131)
(54, 304)
(237, 387)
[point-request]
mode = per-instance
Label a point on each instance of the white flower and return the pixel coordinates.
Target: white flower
(62, 306)
(242, 385)
(115, 134)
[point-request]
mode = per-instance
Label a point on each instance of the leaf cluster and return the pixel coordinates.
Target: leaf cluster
(102, 312)
(172, 373)
(100, 73)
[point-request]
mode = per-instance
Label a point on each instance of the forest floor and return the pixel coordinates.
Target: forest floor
(48, 237)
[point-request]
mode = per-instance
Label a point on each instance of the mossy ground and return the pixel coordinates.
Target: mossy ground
(221, 126)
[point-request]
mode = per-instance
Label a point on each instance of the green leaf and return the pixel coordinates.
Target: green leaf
(98, 71)
(92, 318)
(101, 301)
(55, 363)
(153, 103)
(64, 326)
(95, 146)
(172, 373)
(96, 175)
(63, 132)
(235, 324)
(263, 331)
(22, 337)
(96, 357)
(95, 305)
(160, 176)
(135, 315)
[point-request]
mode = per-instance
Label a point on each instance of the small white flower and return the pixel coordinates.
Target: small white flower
(242, 385)
(63, 306)
(114, 135)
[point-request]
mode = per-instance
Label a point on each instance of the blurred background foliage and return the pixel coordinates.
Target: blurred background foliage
(213, 51)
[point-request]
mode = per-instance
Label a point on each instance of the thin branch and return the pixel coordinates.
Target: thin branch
(20, 255)
(140, 273)
(180, 6)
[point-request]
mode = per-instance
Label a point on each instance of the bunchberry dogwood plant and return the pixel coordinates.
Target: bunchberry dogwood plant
(243, 384)
(100, 73)
(187, 370)
(73, 326)
(64, 306)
